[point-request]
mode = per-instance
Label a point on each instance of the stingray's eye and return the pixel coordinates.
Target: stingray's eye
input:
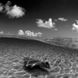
(33, 62)
(25, 60)
(45, 65)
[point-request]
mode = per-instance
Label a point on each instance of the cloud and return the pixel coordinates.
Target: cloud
(75, 27)
(15, 11)
(1, 32)
(47, 24)
(1, 7)
(29, 33)
(62, 19)
(76, 21)
(12, 11)
(33, 34)
(20, 32)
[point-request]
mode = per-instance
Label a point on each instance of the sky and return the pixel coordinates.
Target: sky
(64, 13)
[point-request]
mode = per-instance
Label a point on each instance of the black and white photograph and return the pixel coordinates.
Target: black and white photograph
(39, 39)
